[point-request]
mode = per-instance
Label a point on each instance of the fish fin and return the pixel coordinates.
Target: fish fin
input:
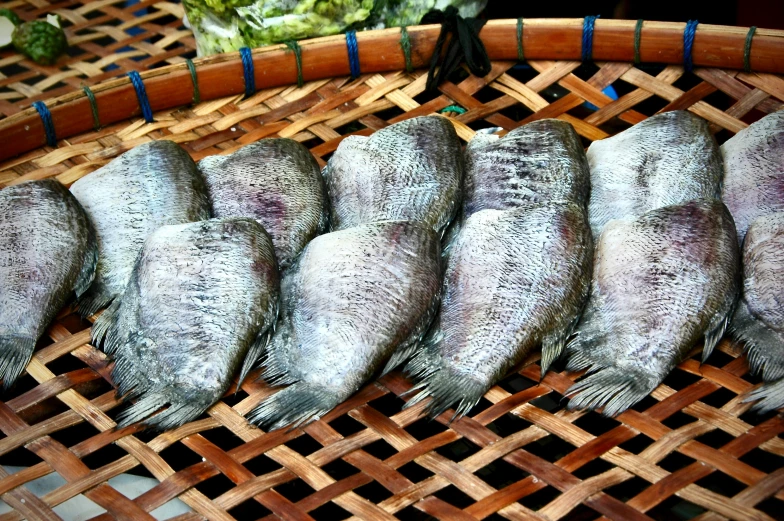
(764, 347)
(254, 355)
(97, 296)
(402, 354)
(87, 273)
(296, 405)
(125, 376)
(769, 396)
(712, 337)
(15, 354)
(446, 389)
(103, 325)
(613, 388)
(553, 346)
(148, 405)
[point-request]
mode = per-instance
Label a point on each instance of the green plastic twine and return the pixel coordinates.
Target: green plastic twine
(405, 44)
(747, 49)
(637, 38)
(457, 109)
(93, 107)
(520, 53)
(294, 46)
(195, 80)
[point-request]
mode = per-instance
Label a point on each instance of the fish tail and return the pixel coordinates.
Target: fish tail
(103, 325)
(553, 347)
(142, 409)
(768, 397)
(254, 355)
(125, 376)
(15, 354)
(613, 388)
(296, 405)
(763, 345)
(92, 300)
(713, 335)
(447, 388)
(402, 354)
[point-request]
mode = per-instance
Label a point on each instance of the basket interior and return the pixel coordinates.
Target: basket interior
(689, 450)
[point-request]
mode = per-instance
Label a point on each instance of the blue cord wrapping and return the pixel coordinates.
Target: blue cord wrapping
(141, 95)
(588, 23)
(248, 72)
(46, 118)
(353, 53)
(688, 42)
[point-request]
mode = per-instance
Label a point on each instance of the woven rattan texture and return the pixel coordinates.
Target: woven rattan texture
(689, 450)
(106, 39)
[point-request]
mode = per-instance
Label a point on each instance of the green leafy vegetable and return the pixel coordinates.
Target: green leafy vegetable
(40, 40)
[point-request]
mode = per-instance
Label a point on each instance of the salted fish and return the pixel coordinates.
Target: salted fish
(754, 171)
(200, 295)
(349, 300)
(515, 279)
(668, 159)
(278, 183)
(47, 251)
(660, 283)
(409, 171)
(152, 185)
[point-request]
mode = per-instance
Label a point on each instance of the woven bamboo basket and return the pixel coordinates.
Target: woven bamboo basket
(690, 450)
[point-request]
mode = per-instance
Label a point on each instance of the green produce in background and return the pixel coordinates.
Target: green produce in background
(8, 21)
(227, 25)
(41, 40)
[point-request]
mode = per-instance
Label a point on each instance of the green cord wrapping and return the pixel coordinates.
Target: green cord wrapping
(520, 53)
(457, 109)
(195, 80)
(93, 107)
(294, 46)
(747, 49)
(405, 44)
(637, 38)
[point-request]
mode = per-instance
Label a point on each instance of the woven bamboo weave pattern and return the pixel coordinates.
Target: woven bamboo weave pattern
(690, 449)
(106, 38)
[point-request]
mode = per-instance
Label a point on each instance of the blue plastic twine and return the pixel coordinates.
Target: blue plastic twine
(46, 118)
(141, 95)
(688, 42)
(588, 23)
(353, 53)
(247, 71)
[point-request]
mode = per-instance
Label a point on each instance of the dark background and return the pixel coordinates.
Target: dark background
(762, 13)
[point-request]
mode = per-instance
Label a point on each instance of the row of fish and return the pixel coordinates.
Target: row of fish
(454, 266)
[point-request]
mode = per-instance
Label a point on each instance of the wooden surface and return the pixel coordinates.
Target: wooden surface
(380, 51)
(689, 450)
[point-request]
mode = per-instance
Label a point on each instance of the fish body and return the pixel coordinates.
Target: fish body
(199, 296)
(668, 159)
(759, 317)
(349, 300)
(409, 171)
(515, 279)
(152, 185)
(660, 282)
(543, 161)
(754, 171)
(47, 251)
(278, 183)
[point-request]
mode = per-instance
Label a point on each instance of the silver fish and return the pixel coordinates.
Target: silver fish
(409, 171)
(349, 300)
(152, 185)
(47, 250)
(278, 183)
(543, 161)
(759, 317)
(199, 296)
(670, 158)
(754, 171)
(660, 282)
(515, 279)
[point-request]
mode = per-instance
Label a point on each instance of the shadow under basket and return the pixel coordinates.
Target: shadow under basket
(689, 450)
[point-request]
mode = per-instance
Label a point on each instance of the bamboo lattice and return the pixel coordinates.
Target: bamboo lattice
(689, 450)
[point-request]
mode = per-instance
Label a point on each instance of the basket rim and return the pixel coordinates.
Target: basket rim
(380, 51)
